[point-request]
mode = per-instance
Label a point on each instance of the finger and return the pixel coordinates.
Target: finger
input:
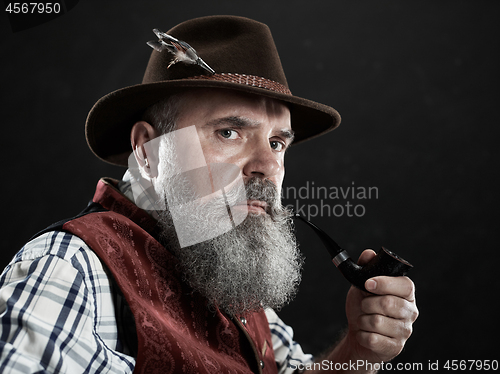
(386, 326)
(366, 256)
(390, 306)
(397, 286)
(384, 347)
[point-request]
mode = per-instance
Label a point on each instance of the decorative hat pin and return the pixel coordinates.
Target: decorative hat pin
(182, 51)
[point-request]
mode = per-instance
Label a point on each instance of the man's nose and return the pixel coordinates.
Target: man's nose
(262, 162)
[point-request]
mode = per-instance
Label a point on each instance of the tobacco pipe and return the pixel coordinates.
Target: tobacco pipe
(384, 263)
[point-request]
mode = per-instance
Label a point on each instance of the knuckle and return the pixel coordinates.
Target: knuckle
(407, 330)
(387, 304)
(415, 313)
(398, 346)
(376, 321)
(371, 340)
(410, 312)
(410, 293)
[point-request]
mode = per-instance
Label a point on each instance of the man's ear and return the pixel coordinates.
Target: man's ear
(141, 133)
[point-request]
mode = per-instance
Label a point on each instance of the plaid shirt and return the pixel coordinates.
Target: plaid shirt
(60, 314)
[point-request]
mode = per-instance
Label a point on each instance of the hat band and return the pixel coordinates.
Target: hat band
(249, 80)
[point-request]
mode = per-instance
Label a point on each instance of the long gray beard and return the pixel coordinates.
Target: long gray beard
(256, 264)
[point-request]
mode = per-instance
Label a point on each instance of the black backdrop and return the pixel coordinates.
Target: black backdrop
(416, 83)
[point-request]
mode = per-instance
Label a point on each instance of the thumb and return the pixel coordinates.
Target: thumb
(366, 256)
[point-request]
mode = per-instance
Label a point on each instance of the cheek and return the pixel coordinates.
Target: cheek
(281, 165)
(215, 153)
(280, 175)
(224, 167)
(280, 170)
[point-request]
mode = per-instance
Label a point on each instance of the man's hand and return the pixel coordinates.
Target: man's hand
(379, 324)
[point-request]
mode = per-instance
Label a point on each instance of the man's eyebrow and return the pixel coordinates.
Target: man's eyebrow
(241, 122)
(233, 121)
(288, 135)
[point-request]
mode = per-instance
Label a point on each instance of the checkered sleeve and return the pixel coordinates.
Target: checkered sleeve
(288, 353)
(56, 311)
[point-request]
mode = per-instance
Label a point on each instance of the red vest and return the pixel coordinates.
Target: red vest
(177, 332)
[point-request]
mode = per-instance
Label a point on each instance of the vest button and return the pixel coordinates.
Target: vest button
(261, 364)
(243, 321)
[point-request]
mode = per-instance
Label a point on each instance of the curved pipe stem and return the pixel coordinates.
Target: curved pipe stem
(384, 263)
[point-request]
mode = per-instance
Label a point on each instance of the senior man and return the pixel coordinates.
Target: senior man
(178, 267)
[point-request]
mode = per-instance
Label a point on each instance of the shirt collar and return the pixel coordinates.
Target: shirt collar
(139, 191)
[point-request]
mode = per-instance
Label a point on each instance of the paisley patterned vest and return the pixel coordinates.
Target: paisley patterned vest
(176, 331)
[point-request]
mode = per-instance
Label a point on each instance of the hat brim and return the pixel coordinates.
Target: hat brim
(111, 119)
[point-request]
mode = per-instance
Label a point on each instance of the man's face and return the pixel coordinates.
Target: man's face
(251, 132)
(256, 262)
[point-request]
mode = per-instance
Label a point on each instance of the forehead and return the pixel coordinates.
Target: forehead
(202, 105)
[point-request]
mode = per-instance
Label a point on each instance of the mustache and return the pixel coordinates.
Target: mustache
(181, 191)
(267, 192)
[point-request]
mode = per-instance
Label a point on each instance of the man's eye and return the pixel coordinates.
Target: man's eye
(228, 134)
(277, 146)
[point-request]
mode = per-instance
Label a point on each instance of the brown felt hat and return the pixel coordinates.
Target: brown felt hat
(242, 53)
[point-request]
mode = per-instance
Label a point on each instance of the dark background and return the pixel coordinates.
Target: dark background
(416, 83)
